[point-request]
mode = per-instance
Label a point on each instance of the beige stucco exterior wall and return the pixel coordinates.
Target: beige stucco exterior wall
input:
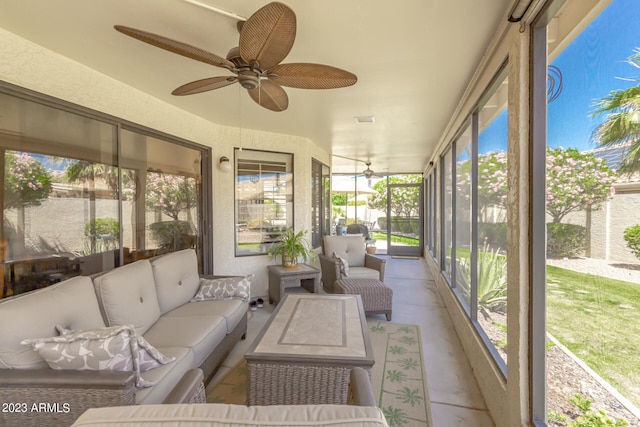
(507, 399)
(606, 227)
(28, 65)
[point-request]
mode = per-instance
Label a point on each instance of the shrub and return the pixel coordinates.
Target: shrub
(172, 235)
(103, 235)
(492, 281)
(565, 240)
(632, 237)
(591, 418)
(102, 227)
(493, 234)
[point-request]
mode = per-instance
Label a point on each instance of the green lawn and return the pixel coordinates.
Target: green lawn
(396, 240)
(598, 319)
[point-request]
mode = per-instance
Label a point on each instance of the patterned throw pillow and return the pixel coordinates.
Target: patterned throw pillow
(344, 265)
(106, 349)
(148, 356)
(224, 288)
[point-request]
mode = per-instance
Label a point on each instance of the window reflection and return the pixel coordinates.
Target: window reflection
(71, 206)
(264, 199)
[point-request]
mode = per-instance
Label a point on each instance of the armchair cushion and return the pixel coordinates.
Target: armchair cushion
(351, 248)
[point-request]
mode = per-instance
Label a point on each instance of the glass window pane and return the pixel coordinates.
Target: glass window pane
(463, 216)
(447, 212)
(161, 196)
(264, 199)
(492, 218)
(60, 208)
(320, 189)
(591, 281)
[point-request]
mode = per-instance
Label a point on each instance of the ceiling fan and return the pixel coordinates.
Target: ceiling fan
(266, 38)
(368, 173)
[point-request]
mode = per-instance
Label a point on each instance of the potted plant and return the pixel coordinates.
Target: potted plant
(291, 246)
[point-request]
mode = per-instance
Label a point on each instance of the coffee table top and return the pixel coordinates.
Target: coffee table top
(315, 327)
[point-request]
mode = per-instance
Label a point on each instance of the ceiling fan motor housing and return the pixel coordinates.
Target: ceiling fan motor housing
(247, 76)
(248, 79)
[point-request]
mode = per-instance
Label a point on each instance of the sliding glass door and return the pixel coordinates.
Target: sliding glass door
(404, 218)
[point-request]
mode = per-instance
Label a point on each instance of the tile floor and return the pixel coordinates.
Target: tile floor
(454, 394)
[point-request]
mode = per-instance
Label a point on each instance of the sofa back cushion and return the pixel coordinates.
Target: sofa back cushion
(176, 277)
(127, 296)
(223, 415)
(71, 304)
(351, 248)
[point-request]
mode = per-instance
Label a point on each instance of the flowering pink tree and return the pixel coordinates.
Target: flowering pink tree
(170, 193)
(26, 181)
(404, 201)
(575, 181)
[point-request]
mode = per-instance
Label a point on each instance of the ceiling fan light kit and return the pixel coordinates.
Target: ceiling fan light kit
(266, 38)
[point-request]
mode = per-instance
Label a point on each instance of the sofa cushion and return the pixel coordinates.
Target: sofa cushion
(200, 333)
(351, 248)
(224, 288)
(128, 296)
(167, 376)
(105, 349)
(71, 303)
(176, 278)
(232, 310)
(223, 415)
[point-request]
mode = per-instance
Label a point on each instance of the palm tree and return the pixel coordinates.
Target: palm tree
(622, 121)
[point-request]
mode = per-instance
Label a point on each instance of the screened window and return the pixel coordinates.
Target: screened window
(447, 212)
(463, 216)
(264, 199)
(491, 214)
(585, 139)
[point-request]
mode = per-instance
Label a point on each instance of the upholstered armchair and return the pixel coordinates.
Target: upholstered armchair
(361, 265)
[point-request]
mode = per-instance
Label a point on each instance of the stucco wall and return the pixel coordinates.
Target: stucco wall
(30, 66)
(607, 227)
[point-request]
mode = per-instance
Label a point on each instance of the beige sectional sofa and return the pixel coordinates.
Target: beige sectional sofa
(152, 295)
(359, 412)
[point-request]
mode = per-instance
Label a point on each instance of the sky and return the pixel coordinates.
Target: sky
(592, 66)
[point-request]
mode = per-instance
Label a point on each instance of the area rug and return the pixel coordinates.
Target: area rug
(398, 378)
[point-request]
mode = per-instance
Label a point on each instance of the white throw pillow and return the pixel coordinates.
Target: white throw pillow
(149, 357)
(224, 288)
(344, 265)
(113, 348)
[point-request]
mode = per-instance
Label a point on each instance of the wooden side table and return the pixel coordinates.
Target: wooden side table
(303, 278)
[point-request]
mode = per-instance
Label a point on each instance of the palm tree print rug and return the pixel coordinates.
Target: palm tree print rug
(398, 378)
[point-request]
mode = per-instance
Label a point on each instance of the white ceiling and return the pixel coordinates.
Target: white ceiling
(413, 59)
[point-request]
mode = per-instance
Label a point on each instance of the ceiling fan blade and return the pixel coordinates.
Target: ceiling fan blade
(204, 85)
(176, 47)
(268, 35)
(270, 95)
(311, 76)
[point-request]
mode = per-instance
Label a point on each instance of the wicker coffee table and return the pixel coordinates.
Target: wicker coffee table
(305, 353)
